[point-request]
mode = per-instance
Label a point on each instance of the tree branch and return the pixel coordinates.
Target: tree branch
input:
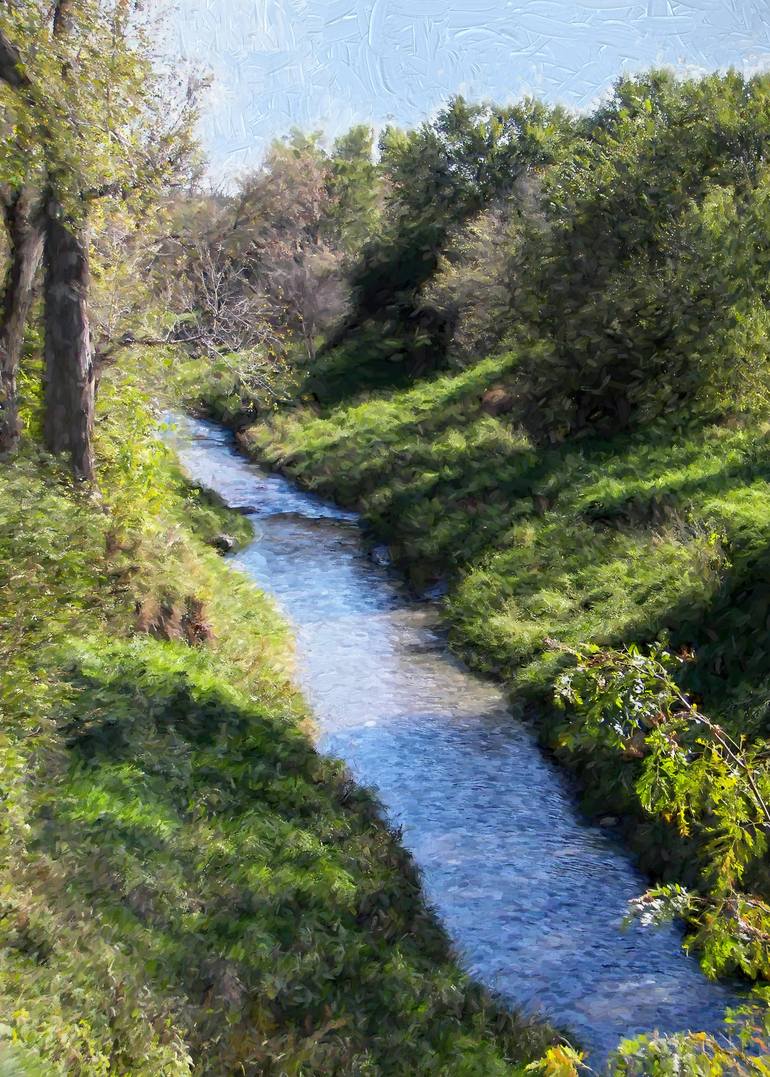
(128, 340)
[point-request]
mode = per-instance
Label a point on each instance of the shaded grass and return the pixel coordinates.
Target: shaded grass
(186, 886)
(661, 534)
(608, 541)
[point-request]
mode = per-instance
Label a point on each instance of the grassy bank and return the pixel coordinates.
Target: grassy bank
(655, 535)
(187, 886)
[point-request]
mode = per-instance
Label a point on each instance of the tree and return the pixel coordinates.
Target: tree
(478, 277)
(102, 130)
(23, 222)
(693, 773)
(437, 178)
(265, 267)
(68, 361)
(355, 187)
(648, 285)
(69, 369)
(20, 201)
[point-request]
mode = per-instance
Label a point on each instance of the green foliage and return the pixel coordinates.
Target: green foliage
(648, 275)
(476, 280)
(659, 534)
(437, 177)
(97, 113)
(185, 884)
(744, 1054)
(624, 255)
(692, 772)
(355, 189)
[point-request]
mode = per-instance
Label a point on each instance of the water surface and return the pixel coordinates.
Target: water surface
(531, 894)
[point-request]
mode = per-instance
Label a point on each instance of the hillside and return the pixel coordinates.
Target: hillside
(647, 536)
(187, 885)
(548, 393)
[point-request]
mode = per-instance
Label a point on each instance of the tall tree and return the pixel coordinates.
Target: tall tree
(356, 189)
(23, 222)
(275, 254)
(649, 279)
(69, 362)
(438, 177)
(20, 202)
(103, 129)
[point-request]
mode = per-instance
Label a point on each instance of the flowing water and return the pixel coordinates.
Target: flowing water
(530, 893)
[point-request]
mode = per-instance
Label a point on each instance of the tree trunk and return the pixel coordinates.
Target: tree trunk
(63, 17)
(25, 240)
(69, 386)
(69, 364)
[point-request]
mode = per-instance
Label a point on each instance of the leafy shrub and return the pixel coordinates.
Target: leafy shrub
(649, 279)
(693, 773)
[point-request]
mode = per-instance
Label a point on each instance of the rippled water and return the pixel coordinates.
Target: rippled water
(531, 894)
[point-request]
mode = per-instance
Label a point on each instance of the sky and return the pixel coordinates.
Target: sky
(327, 64)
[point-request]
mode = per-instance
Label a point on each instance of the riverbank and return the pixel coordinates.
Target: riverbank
(187, 885)
(660, 535)
(533, 897)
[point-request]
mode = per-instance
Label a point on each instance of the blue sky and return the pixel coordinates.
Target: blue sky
(331, 63)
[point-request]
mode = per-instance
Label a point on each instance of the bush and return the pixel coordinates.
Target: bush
(649, 279)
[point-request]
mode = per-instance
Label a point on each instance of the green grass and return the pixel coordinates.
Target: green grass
(186, 886)
(608, 541)
(659, 535)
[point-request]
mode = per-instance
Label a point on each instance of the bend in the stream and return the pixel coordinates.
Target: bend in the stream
(532, 895)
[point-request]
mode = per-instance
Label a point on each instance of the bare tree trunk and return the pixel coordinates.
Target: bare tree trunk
(63, 16)
(25, 239)
(69, 385)
(69, 364)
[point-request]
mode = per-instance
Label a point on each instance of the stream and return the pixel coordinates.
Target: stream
(531, 894)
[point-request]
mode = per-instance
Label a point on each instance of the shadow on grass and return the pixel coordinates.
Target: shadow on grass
(245, 874)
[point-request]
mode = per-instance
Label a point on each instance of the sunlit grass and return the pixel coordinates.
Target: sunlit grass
(663, 534)
(187, 886)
